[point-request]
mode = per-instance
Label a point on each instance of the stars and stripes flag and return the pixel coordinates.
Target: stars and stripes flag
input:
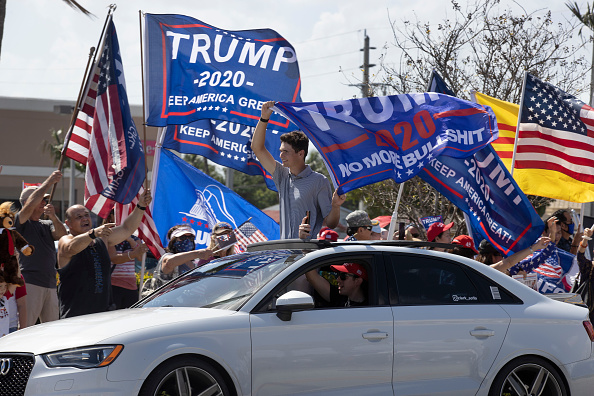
(246, 234)
(555, 144)
(104, 136)
(147, 230)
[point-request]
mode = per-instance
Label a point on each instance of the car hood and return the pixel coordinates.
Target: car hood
(93, 329)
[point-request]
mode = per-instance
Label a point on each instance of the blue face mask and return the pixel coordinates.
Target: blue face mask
(183, 245)
(570, 228)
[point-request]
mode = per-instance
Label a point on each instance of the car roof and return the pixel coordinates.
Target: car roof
(314, 244)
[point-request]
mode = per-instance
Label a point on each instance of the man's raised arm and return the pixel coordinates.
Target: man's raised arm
(132, 222)
(259, 139)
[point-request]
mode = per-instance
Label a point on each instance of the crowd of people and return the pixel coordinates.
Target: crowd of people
(96, 265)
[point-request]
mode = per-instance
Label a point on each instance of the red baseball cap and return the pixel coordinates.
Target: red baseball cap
(437, 228)
(328, 234)
(465, 241)
(351, 268)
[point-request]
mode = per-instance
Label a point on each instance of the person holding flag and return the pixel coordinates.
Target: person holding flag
(39, 269)
(300, 188)
(84, 265)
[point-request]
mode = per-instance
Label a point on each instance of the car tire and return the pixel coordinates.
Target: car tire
(185, 376)
(528, 375)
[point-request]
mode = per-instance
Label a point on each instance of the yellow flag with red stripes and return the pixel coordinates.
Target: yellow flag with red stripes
(546, 177)
(507, 119)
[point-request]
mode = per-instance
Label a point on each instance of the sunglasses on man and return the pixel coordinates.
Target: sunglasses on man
(343, 276)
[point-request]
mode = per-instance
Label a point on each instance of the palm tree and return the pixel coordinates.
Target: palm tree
(71, 3)
(587, 19)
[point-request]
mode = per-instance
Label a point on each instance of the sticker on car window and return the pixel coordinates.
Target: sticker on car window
(495, 293)
(456, 297)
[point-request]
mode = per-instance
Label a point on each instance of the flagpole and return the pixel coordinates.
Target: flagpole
(156, 160)
(84, 85)
(513, 163)
(74, 115)
(143, 98)
(395, 214)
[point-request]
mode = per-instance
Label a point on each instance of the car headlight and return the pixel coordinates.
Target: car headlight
(86, 357)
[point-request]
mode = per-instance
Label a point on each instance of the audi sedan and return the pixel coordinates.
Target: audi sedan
(251, 324)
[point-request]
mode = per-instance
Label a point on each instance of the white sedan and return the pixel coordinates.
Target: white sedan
(250, 324)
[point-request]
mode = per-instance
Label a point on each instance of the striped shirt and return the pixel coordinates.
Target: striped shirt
(308, 190)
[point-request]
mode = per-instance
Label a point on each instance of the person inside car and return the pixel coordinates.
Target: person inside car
(351, 288)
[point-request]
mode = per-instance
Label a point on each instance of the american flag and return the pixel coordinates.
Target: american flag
(147, 230)
(104, 136)
(247, 233)
(556, 132)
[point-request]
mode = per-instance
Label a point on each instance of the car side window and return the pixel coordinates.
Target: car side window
(325, 273)
(428, 281)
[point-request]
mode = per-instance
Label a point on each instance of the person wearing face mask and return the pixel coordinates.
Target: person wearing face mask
(220, 229)
(180, 256)
(565, 239)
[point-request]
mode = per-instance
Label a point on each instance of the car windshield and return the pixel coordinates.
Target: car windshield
(225, 283)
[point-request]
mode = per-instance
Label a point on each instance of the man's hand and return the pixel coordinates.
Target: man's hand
(49, 210)
(55, 177)
(588, 232)
(304, 229)
(146, 198)
(338, 200)
(267, 109)
(104, 230)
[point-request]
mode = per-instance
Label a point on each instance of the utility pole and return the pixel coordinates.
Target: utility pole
(365, 86)
(366, 90)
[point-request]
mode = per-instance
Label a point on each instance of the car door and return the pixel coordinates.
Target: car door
(326, 350)
(446, 333)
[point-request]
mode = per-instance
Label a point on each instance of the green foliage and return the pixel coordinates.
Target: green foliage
(54, 149)
(253, 189)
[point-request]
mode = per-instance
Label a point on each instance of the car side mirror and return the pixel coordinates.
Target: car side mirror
(289, 302)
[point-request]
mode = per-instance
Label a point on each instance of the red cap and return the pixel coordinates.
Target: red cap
(465, 241)
(351, 268)
(328, 234)
(437, 228)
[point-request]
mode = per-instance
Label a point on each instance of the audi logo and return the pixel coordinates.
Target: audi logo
(5, 364)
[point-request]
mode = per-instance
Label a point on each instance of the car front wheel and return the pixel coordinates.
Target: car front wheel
(185, 376)
(528, 376)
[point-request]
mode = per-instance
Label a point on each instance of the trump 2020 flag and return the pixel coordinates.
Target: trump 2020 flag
(366, 140)
(482, 187)
(226, 143)
(185, 195)
(104, 136)
(196, 70)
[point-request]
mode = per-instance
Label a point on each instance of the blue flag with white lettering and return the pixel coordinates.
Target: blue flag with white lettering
(226, 143)
(185, 195)
(482, 187)
(197, 71)
(366, 140)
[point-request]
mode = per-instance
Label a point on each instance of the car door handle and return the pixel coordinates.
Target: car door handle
(480, 333)
(375, 335)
